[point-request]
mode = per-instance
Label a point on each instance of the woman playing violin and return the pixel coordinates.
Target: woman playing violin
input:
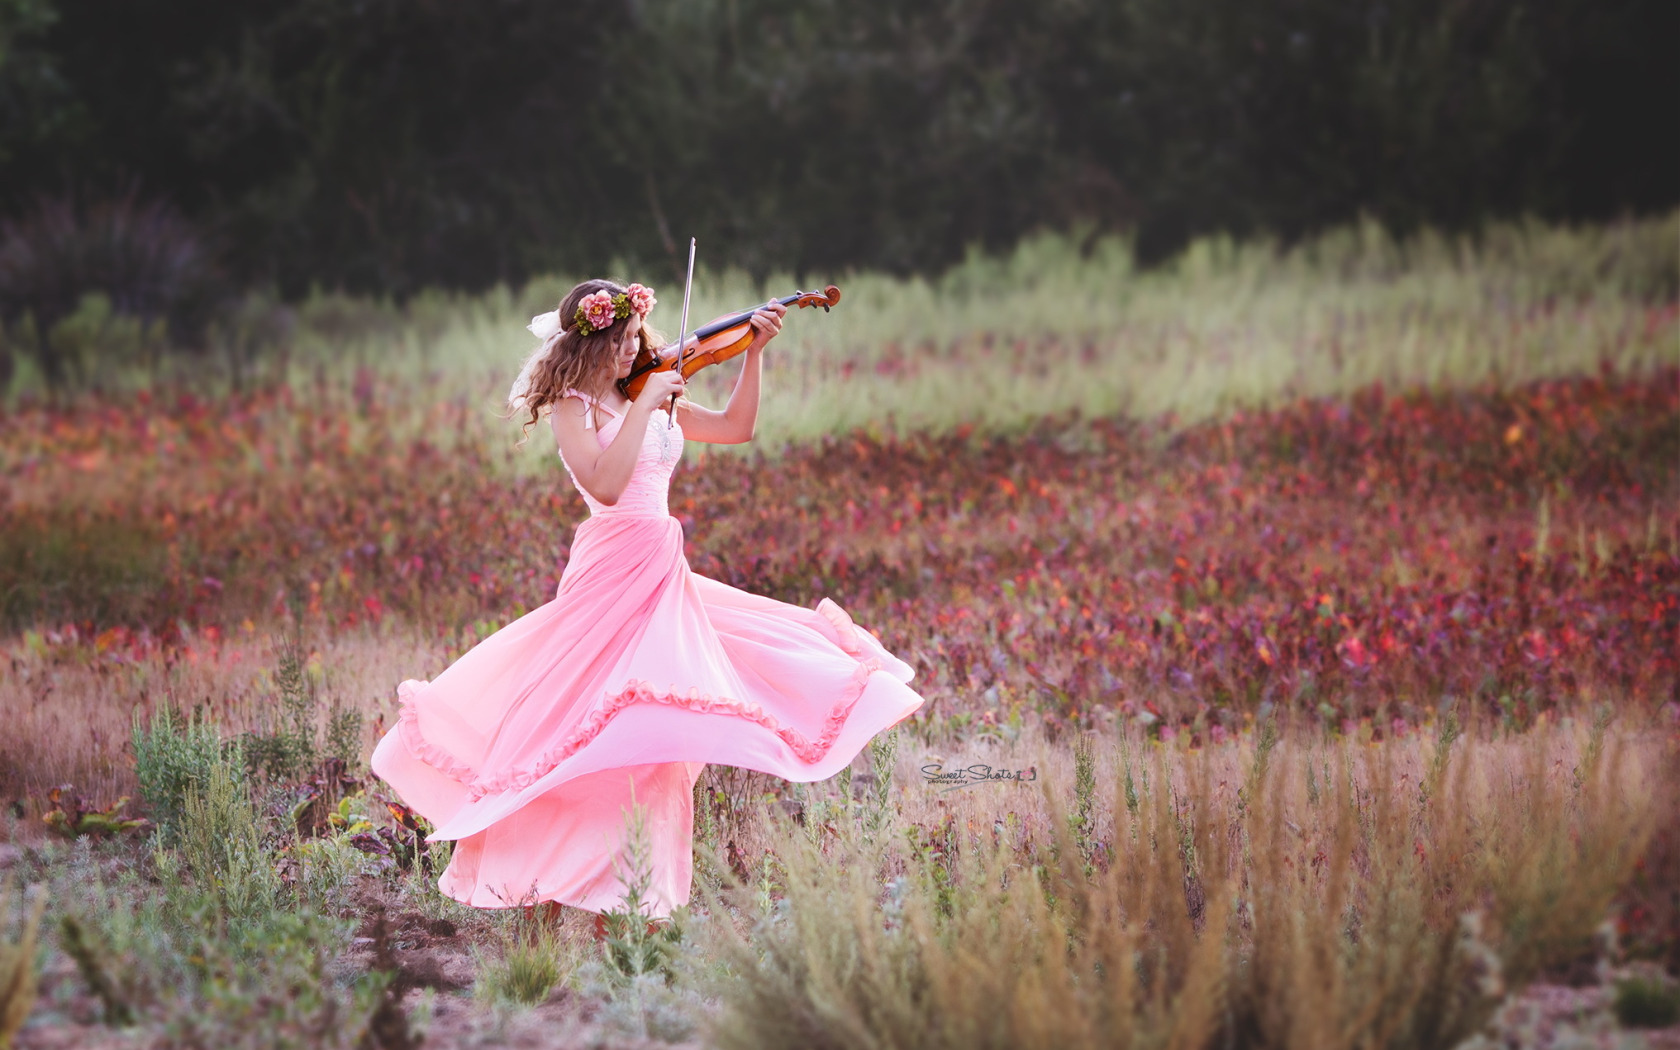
(531, 748)
(605, 472)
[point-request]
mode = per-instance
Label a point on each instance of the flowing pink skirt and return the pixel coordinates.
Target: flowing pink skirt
(527, 750)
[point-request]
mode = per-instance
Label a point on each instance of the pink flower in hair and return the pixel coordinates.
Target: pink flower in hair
(597, 309)
(641, 298)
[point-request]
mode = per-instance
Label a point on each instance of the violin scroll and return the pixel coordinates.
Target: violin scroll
(826, 298)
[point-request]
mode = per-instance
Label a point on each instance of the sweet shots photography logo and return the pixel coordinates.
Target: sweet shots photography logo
(937, 774)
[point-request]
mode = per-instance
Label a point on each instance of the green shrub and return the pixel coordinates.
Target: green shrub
(325, 867)
(266, 984)
(1083, 820)
(94, 339)
(195, 970)
(290, 745)
(883, 758)
(534, 959)
(1647, 1001)
(98, 968)
(634, 945)
(220, 841)
(171, 754)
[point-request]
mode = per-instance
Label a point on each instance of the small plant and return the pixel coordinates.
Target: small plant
(633, 945)
(883, 757)
(300, 770)
(93, 960)
(74, 816)
(1083, 820)
(170, 755)
(1647, 1000)
(17, 969)
(221, 842)
(287, 748)
(1129, 785)
(534, 959)
(933, 853)
(1445, 736)
(322, 803)
(267, 984)
(405, 843)
(318, 870)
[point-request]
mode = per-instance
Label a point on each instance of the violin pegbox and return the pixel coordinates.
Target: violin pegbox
(826, 298)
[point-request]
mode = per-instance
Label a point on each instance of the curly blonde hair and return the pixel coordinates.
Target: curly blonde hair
(570, 360)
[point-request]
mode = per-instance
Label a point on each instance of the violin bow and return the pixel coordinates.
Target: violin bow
(682, 335)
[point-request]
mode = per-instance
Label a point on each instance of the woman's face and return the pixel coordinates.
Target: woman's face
(627, 344)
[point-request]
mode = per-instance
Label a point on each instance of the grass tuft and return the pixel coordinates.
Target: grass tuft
(534, 960)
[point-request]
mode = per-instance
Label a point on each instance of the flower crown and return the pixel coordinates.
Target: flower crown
(599, 310)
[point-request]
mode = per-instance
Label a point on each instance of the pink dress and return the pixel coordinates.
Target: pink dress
(637, 674)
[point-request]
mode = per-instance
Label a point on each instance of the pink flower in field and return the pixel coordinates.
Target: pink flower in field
(1354, 653)
(641, 298)
(597, 309)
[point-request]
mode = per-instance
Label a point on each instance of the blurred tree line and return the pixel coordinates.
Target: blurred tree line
(388, 145)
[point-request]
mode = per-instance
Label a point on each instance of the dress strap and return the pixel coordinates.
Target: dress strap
(592, 402)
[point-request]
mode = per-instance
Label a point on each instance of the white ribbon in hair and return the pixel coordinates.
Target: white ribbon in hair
(545, 326)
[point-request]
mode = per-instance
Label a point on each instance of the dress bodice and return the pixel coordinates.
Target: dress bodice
(650, 480)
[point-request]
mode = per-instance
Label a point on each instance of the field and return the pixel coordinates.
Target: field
(1331, 595)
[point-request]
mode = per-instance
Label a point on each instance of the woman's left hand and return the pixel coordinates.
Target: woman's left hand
(766, 322)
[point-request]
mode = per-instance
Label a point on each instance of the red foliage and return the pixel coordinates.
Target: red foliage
(1338, 556)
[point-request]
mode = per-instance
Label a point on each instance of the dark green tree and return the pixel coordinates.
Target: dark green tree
(386, 145)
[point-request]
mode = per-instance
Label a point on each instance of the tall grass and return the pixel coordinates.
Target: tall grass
(1262, 894)
(1051, 328)
(1069, 324)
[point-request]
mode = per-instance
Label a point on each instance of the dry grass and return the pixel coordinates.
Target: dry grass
(70, 713)
(1327, 894)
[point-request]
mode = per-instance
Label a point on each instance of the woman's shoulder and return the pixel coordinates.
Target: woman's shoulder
(573, 402)
(581, 405)
(569, 406)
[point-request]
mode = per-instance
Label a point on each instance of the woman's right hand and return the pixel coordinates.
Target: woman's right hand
(660, 386)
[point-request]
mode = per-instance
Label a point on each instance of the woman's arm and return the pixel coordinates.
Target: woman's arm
(604, 472)
(739, 420)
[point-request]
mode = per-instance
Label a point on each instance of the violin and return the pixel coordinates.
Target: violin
(715, 342)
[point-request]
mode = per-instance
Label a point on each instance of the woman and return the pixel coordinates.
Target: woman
(528, 749)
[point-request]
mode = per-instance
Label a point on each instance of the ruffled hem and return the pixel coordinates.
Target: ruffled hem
(636, 691)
